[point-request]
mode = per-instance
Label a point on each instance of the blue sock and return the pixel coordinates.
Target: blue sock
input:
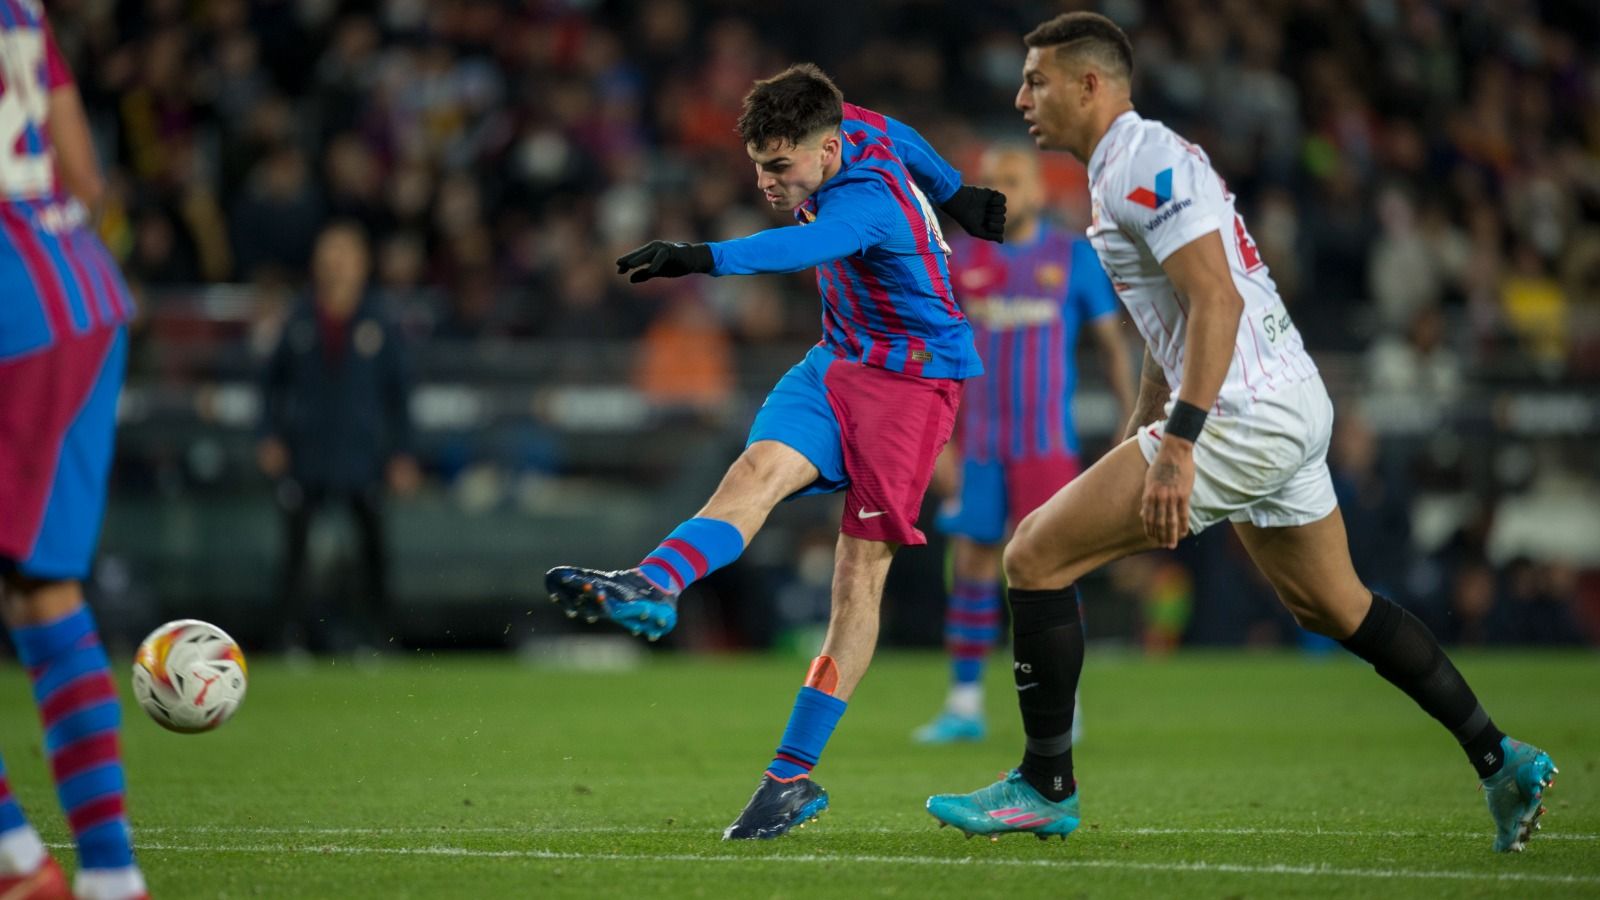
(693, 550)
(971, 627)
(11, 817)
(77, 702)
(810, 725)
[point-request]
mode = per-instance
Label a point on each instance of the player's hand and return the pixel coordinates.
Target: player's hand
(980, 211)
(1167, 485)
(665, 259)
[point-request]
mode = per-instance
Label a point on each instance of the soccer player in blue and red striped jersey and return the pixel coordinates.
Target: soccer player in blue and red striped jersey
(866, 412)
(1028, 300)
(62, 351)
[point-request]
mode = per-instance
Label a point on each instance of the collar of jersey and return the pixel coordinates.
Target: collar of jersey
(1097, 159)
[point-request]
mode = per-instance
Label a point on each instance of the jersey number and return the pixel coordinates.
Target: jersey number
(1249, 256)
(23, 108)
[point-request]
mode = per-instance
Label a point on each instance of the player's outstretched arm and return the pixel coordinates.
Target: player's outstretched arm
(765, 252)
(980, 211)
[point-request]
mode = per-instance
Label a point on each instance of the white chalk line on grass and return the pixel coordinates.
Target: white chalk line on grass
(1197, 866)
(446, 830)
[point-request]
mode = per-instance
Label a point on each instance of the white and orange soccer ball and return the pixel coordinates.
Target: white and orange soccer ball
(189, 676)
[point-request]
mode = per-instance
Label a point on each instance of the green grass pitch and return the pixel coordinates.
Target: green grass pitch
(1202, 775)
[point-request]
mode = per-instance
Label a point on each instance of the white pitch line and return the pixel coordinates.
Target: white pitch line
(1227, 868)
(1541, 837)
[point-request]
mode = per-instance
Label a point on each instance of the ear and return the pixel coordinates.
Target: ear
(831, 147)
(1089, 85)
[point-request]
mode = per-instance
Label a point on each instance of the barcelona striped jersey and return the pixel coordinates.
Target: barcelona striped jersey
(872, 235)
(1027, 303)
(56, 279)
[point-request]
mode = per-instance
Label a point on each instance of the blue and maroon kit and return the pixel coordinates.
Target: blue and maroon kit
(1027, 303)
(873, 403)
(63, 346)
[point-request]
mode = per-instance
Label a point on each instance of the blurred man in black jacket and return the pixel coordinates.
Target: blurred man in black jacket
(337, 422)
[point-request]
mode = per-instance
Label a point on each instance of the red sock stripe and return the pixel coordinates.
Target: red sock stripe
(96, 812)
(84, 754)
(968, 649)
(695, 558)
(5, 789)
(974, 619)
(676, 586)
(84, 691)
(796, 760)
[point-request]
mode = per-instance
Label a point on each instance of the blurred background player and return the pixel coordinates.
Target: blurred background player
(63, 349)
(1027, 299)
(866, 412)
(338, 426)
(1232, 423)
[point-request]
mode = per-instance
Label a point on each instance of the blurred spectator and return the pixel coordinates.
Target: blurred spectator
(274, 223)
(1417, 365)
(337, 422)
(685, 359)
(1375, 504)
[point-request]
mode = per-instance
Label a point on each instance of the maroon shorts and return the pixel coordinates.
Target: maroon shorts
(871, 433)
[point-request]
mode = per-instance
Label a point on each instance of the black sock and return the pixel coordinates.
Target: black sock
(1404, 652)
(1048, 644)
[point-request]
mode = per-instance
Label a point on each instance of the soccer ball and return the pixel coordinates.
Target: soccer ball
(189, 676)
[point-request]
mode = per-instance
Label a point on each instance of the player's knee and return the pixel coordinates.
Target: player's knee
(1025, 564)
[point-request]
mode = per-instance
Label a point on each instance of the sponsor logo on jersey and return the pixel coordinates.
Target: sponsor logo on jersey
(1154, 199)
(1162, 217)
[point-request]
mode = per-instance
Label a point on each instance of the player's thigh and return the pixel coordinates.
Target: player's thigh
(1091, 521)
(767, 471)
(1310, 568)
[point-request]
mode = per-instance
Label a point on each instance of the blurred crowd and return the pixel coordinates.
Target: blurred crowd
(1422, 176)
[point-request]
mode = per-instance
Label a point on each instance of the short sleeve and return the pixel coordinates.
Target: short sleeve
(1167, 198)
(56, 72)
(1088, 286)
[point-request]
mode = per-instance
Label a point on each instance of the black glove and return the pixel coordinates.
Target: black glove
(981, 211)
(665, 259)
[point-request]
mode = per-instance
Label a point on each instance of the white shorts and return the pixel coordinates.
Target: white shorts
(1267, 466)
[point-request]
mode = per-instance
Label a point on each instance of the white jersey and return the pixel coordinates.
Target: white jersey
(1152, 192)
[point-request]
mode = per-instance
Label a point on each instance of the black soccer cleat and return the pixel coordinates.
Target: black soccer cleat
(776, 807)
(625, 597)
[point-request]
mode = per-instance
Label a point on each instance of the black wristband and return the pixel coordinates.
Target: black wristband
(1185, 421)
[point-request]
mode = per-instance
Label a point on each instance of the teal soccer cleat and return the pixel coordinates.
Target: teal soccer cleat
(776, 807)
(625, 597)
(1516, 794)
(950, 728)
(1010, 804)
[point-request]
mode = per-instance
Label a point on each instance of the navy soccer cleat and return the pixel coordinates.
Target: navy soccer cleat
(625, 597)
(776, 807)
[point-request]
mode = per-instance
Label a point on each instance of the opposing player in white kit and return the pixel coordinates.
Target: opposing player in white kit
(1232, 422)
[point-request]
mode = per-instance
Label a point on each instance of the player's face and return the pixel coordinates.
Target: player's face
(787, 174)
(1048, 99)
(1015, 173)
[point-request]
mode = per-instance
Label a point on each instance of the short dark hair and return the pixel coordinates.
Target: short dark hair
(790, 106)
(1088, 33)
